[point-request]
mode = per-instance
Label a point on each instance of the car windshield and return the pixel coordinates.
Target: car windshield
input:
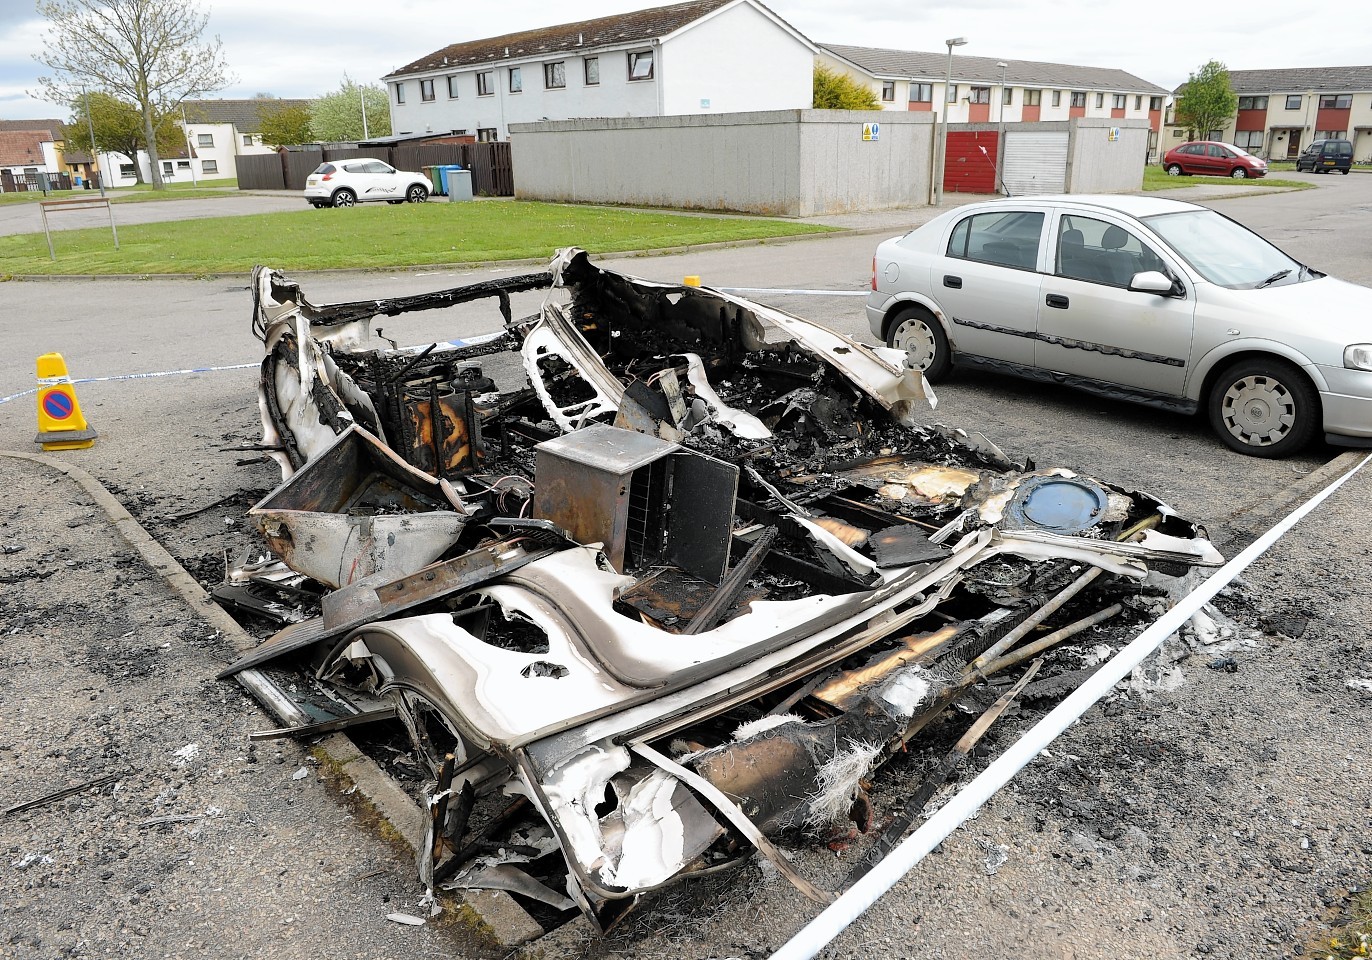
(1223, 251)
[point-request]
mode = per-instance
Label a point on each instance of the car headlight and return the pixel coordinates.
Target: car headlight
(1358, 356)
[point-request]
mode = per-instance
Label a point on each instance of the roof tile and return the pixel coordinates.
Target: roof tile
(585, 35)
(1026, 73)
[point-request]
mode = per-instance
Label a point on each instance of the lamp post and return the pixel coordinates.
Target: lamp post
(1000, 124)
(1000, 117)
(943, 127)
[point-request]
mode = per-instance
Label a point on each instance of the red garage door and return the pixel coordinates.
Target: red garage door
(971, 163)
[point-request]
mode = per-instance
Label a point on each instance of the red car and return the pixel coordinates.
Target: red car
(1212, 159)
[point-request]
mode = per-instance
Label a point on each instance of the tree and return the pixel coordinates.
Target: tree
(145, 52)
(1207, 101)
(839, 91)
(338, 116)
(119, 128)
(284, 124)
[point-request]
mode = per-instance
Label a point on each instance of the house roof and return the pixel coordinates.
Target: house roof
(933, 66)
(1300, 79)
(22, 147)
(634, 27)
(53, 127)
(243, 114)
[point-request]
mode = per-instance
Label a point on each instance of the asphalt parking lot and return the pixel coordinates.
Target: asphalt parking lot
(167, 445)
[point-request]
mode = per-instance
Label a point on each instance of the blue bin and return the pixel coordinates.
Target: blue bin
(443, 175)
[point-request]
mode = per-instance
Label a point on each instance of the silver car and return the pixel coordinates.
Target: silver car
(1139, 298)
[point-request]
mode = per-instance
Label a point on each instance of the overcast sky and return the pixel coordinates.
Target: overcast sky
(303, 49)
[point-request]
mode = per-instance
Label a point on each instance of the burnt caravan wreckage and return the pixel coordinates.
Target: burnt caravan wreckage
(677, 593)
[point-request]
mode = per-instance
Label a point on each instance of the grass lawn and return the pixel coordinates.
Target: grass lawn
(135, 194)
(1156, 178)
(378, 235)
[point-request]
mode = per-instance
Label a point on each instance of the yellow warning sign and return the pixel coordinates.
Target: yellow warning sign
(61, 425)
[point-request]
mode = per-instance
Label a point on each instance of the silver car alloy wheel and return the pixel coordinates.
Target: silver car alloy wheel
(1258, 410)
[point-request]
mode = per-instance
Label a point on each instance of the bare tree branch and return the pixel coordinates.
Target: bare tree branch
(147, 52)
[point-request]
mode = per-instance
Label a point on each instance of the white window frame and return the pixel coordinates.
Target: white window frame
(209, 166)
(204, 140)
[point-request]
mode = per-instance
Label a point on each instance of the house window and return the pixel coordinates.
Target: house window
(426, 90)
(516, 80)
(485, 134)
(1100, 100)
(485, 85)
(921, 93)
(641, 65)
(247, 139)
(1078, 98)
(209, 166)
(126, 170)
(452, 88)
(1138, 101)
(1330, 134)
(183, 164)
(980, 95)
(1116, 100)
(1007, 95)
(1033, 98)
(592, 71)
(888, 90)
(400, 93)
(1057, 98)
(166, 168)
(952, 93)
(1155, 103)
(1178, 133)
(1250, 140)
(1336, 101)
(1293, 101)
(204, 140)
(1252, 103)
(555, 75)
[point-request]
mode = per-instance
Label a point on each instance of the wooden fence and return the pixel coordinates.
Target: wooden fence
(33, 182)
(492, 172)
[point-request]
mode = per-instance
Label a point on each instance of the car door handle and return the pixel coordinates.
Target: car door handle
(1056, 300)
(951, 281)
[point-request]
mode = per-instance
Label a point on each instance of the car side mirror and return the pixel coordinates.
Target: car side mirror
(1154, 281)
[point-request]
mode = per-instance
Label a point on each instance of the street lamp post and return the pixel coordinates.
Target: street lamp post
(943, 127)
(1000, 124)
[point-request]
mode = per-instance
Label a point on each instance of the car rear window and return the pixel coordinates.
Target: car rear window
(323, 168)
(1010, 239)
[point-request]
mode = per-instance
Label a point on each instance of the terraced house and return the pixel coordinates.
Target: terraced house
(705, 56)
(1281, 111)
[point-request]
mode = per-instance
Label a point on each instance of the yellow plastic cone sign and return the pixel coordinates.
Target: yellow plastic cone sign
(60, 423)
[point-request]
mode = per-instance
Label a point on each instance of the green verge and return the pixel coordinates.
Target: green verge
(227, 187)
(1156, 178)
(376, 235)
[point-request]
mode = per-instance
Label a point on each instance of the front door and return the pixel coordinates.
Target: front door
(1091, 325)
(1293, 144)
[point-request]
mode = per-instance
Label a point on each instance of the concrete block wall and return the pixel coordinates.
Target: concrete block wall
(1097, 164)
(781, 163)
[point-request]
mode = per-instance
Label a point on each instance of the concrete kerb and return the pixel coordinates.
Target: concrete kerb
(498, 915)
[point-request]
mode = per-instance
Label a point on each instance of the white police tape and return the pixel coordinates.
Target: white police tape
(794, 293)
(836, 917)
(471, 341)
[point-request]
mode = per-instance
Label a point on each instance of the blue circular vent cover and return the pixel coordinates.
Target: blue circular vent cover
(1066, 505)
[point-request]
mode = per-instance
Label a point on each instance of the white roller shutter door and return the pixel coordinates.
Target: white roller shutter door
(1035, 163)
